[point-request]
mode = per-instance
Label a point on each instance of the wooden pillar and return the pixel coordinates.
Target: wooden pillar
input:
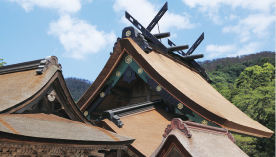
(119, 152)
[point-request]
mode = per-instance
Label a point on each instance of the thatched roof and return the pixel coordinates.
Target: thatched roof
(146, 127)
(183, 82)
(202, 140)
(36, 108)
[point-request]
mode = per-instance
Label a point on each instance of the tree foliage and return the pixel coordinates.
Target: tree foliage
(2, 62)
(255, 96)
(252, 89)
(246, 60)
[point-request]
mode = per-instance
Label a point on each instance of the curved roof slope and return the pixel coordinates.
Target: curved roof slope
(24, 85)
(184, 84)
(56, 128)
(18, 87)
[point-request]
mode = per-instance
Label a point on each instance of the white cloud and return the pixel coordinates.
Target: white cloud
(144, 12)
(251, 21)
(232, 17)
(80, 38)
(63, 6)
(254, 25)
(215, 51)
(256, 5)
(250, 48)
(211, 7)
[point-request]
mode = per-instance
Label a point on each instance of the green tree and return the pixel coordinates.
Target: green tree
(1, 62)
(255, 96)
(224, 90)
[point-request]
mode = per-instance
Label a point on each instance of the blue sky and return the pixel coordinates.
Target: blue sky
(81, 33)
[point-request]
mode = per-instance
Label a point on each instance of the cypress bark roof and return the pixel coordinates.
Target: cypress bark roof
(146, 127)
(36, 106)
(203, 140)
(58, 130)
(182, 82)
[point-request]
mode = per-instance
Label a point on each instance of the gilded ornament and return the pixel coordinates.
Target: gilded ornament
(102, 94)
(140, 71)
(128, 59)
(180, 106)
(118, 73)
(85, 113)
(158, 88)
(128, 33)
(205, 122)
(130, 153)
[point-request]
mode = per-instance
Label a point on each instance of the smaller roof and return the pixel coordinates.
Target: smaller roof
(17, 87)
(47, 126)
(36, 107)
(193, 139)
(146, 127)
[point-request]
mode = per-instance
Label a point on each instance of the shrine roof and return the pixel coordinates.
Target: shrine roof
(193, 139)
(146, 127)
(24, 84)
(17, 87)
(48, 128)
(24, 87)
(183, 83)
(21, 81)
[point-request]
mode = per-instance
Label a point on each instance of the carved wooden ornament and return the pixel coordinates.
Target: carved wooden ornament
(177, 123)
(46, 63)
(51, 96)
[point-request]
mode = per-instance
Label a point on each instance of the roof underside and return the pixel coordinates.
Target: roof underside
(183, 83)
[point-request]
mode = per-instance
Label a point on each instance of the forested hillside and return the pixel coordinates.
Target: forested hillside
(247, 60)
(249, 83)
(227, 70)
(77, 86)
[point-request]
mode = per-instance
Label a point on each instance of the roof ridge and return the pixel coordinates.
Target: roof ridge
(186, 126)
(41, 65)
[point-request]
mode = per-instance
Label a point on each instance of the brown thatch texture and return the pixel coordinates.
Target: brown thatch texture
(54, 127)
(147, 128)
(182, 82)
(176, 77)
(205, 144)
(19, 86)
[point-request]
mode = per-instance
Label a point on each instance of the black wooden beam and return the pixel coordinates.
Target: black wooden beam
(158, 17)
